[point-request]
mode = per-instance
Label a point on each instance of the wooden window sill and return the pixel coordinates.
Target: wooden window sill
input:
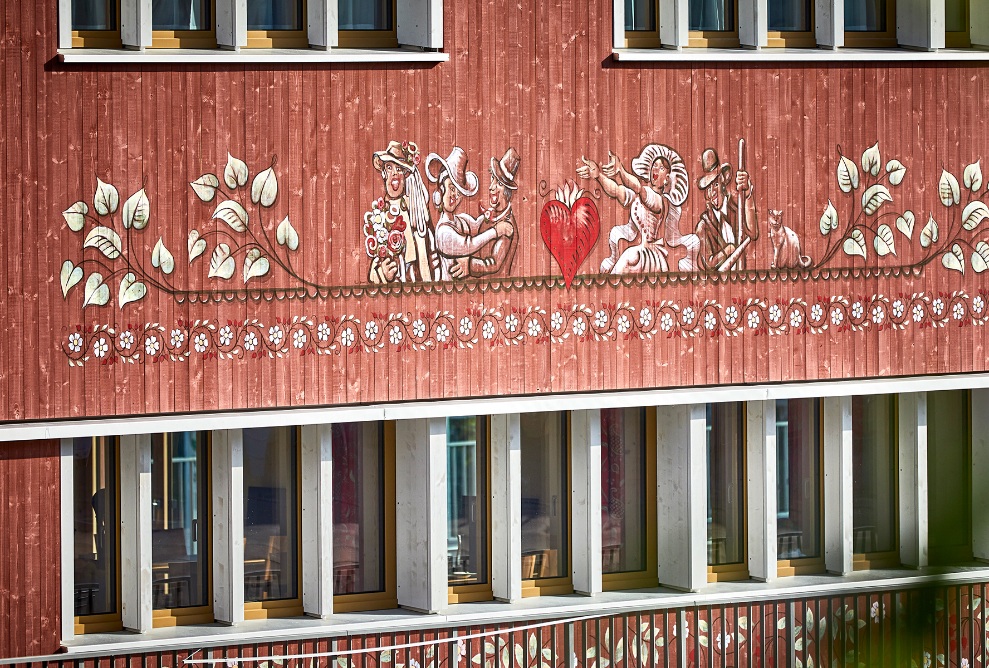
(81, 56)
(794, 55)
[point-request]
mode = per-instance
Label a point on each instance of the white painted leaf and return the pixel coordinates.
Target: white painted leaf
(702, 640)
(619, 651)
(743, 622)
(547, 653)
(196, 245)
(874, 197)
(604, 662)
(504, 657)
(972, 178)
(929, 234)
(829, 219)
(980, 258)
(884, 246)
(798, 644)
(235, 173)
(131, 289)
(385, 656)
(848, 175)
(809, 617)
(106, 199)
(871, 162)
(75, 216)
(947, 188)
(781, 623)
(519, 654)
(896, 172)
(136, 210)
(161, 258)
(264, 190)
(97, 293)
(607, 636)
(233, 214)
(255, 266)
(702, 626)
(954, 259)
(476, 659)
(905, 222)
(105, 240)
(489, 648)
(810, 662)
(69, 276)
(974, 214)
(533, 645)
(633, 649)
(221, 265)
(591, 653)
(205, 187)
(286, 235)
(855, 244)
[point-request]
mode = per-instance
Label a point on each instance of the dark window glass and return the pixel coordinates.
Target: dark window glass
(640, 15)
(865, 15)
(271, 514)
(180, 14)
(798, 478)
(466, 500)
(956, 15)
(365, 14)
(180, 520)
(623, 490)
(790, 15)
(95, 522)
(949, 474)
(94, 14)
(725, 484)
(874, 474)
(713, 15)
(545, 496)
(274, 15)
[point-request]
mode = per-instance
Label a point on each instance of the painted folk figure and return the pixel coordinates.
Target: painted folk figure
(729, 222)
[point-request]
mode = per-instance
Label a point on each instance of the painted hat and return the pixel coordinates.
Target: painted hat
(455, 167)
(394, 153)
(710, 162)
(504, 170)
(642, 165)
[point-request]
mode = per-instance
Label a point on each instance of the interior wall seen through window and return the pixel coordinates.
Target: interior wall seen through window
(949, 476)
(274, 15)
(798, 479)
(790, 15)
(623, 490)
(873, 474)
(94, 14)
(711, 15)
(545, 494)
(725, 484)
(865, 15)
(640, 15)
(181, 14)
(365, 14)
(94, 525)
(466, 500)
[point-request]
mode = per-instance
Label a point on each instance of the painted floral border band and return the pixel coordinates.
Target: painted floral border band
(512, 326)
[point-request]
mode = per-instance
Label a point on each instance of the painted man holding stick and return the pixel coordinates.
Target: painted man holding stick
(724, 234)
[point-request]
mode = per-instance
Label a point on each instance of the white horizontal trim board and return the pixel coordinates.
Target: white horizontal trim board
(822, 55)
(257, 56)
(284, 417)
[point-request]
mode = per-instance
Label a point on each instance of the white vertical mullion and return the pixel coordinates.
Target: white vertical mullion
(618, 24)
(323, 17)
(753, 23)
(912, 457)
(585, 449)
(317, 520)
(65, 34)
(829, 23)
(135, 533)
(978, 16)
(506, 507)
(674, 25)
(760, 418)
(228, 525)
(135, 24)
(66, 531)
(920, 24)
(838, 480)
(419, 23)
(231, 24)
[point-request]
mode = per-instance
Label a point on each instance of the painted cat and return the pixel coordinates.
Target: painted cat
(786, 244)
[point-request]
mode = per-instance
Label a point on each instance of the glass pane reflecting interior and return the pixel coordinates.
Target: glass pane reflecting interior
(725, 484)
(623, 490)
(271, 514)
(545, 517)
(873, 475)
(949, 474)
(94, 507)
(274, 15)
(94, 14)
(179, 520)
(798, 479)
(714, 15)
(640, 15)
(180, 14)
(365, 14)
(467, 500)
(790, 15)
(865, 15)
(358, 508)
(955, 16)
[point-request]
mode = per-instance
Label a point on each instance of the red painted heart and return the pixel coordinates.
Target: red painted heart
(570, 233)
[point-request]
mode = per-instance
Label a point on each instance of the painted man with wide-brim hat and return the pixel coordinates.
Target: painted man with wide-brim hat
(718, 229)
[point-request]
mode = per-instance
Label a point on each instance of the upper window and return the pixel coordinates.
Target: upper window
(798, 487)
(791, 23)
(364, 23)
(183, 23)
(96, 23)
(726, 549)
(276, 23)
(467, 509)
(641, 23)
(874, 479)
(957, 19)
(713, 23)
(870, 23)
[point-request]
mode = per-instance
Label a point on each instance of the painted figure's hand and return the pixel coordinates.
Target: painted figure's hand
(504, 228)
(589, 170)
(460, 268)
(742, 183)
(613, 165)
(389, 268)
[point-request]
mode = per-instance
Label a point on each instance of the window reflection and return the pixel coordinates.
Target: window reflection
(179, 520)
(545, 494)
(712, 15)
(180, 14)
(271, 512)
(790, 15)
(798, 479)
(874, 474)
(274, 15)
(865, 15)
(365, 14)
(95, 521)
(466, 500)
(94, 14)
(623, 490)
(640, 15)
(956, 15)
(725, 484)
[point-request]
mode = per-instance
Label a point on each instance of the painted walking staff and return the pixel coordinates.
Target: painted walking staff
(723, 233)
(495, 259)
(653, 193)
(398, 231)
(458, 235)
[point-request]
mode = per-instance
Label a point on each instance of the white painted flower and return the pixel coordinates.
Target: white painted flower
(898, 308)
(731, 315)
(100, 347)
(556, 320)
(875, 612)
(978, 304)
(918, 312)
(878, 314)
(753, 319)
(645, 316)
(666, 322)
(299, 338)
(275, 335)
(466, 325)
(837, 316)
(796, 318)
(958, 311)
(937, 306)
(723, 640)
(686, 631)
(688, 316)
(534, 327)
(251, 341)
(927, 660)
(371, 330)
(75, 342)
(857, 310)
(151, 345)
(488, 330)
(816, 312)
(964, 663)
(201, 342)
(775, 312)
(623, 324)
(418, 328)
(413, 663)
(346, 336)
(461, 648)
(442, 333)
(395, 335)
(579, 325)
(710, 322)
(600, 319)
(323, 331)
(512, 323)
(226, 336)
(126, 340)
(178, 337)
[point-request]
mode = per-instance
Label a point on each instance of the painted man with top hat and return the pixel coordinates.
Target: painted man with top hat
(407, 250)
(723, 232)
